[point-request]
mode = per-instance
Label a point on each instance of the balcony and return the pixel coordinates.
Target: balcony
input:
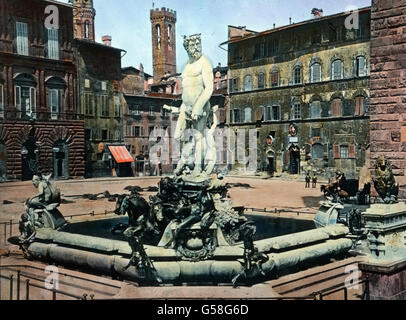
(13, 115)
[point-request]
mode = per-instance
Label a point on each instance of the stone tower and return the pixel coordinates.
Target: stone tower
(83, 19)
(163, 42)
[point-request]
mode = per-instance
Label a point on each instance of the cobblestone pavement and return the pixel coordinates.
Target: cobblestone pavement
(252, 193)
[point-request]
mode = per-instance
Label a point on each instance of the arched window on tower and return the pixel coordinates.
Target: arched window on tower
(170, 35)
(158, 36)
(86, 31)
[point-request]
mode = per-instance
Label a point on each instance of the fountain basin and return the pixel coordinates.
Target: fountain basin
(110, 257)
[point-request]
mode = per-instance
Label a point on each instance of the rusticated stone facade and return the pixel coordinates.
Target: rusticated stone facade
(313, 74)
(388, 85)
(44, 136)
(39, 113)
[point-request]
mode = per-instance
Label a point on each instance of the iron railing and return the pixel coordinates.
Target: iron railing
(30, 277)
(344, 288)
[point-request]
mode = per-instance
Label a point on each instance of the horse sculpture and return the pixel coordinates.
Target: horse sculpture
(141, 222)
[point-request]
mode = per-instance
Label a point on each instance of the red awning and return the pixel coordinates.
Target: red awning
(121, 154)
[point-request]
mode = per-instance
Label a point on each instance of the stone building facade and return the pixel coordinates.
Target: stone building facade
(312, 76)
(101, 103)
(145, 123)
(135, 81)
(40, 120)
(99, 75)
(388, 86)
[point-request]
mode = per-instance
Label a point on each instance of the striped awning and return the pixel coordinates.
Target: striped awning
(121, 154)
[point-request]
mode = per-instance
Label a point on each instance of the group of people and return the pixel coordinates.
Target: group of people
(312, 179)
(143, 166)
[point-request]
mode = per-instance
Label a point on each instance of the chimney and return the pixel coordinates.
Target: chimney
(317, 13)
(107, 40)
(290, 20)
(274, 25)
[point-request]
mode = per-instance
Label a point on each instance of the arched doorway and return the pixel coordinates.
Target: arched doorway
(293, 156)
(28, 158)
(60, 160)
(3, 162)
(270, 155)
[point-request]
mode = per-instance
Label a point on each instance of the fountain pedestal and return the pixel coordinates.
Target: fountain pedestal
(385, 265)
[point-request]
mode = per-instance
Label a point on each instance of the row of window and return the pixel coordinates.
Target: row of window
(315, 75)
(138, 131)
(273, 113)
(25, 101)
(91, 105)
(100, 85)
(103, 134)
(339, 151)
(159, 36)
(136, 110)
(295, 40)
(22, 43)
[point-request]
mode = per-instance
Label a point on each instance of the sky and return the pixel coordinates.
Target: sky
(127, 21)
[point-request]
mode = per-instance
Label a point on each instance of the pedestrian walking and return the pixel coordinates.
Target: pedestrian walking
(307, 180)
(314, 181)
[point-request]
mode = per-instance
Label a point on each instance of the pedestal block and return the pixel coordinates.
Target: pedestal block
(385, 266)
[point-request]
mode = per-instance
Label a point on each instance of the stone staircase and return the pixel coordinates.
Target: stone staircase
(72, 284)
(326, 279)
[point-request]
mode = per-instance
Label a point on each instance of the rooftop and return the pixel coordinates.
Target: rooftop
(294, 25)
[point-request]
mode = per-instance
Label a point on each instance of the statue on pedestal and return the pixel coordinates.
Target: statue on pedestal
(196, 114)
(384, 181)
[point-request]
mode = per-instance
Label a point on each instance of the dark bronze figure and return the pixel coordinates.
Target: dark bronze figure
(384, 181)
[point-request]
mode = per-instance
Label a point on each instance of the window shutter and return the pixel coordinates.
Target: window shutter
(53, 43)
(259, 114)
(361, 66)
(18, 97)
(25, 37)
(307, 152)
(268, 113)
(32, 99)
(1, 98)
(337, 108)
(357, 110)
(22, 38)
(336, 151)
(351, 151)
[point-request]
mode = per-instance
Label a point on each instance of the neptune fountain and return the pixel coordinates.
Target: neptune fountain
(189, 232)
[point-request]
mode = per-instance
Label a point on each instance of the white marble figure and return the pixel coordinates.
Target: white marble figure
(210, 157)
(194, 113)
